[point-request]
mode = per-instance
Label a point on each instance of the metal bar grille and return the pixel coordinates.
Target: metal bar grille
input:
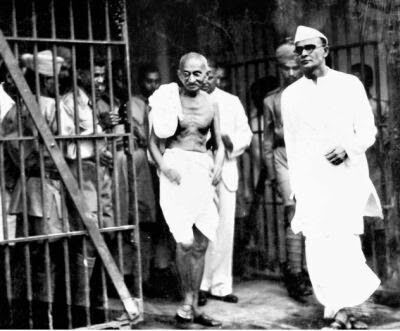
(51, 257)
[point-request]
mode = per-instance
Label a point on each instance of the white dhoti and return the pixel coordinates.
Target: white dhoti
(191, 202)
(338, 272)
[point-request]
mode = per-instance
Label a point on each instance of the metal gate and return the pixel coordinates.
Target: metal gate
(62, 223)
(266, 249)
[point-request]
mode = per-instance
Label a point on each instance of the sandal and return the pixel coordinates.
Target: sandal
(341, 321)
(335, 325)
(184, 314)
(357, 324)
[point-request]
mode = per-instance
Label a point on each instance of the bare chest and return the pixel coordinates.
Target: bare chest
(196, 114)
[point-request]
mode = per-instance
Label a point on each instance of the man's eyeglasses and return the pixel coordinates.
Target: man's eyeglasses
(308, 48)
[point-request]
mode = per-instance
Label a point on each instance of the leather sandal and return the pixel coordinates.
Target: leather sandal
(335, 325)
(357, 324)
(184, 314)
(341, 321)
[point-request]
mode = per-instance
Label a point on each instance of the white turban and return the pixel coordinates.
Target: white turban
(304, 32)
(44, 62)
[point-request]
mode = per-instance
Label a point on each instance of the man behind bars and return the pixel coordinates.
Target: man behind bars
(8, 97)
(83, 259)
(159, 278)
(148, 81)
(144, 184)
(275, 161)
(328, 126)
(184, 117)
(43, 202)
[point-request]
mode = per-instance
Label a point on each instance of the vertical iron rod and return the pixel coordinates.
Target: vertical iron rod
(133, 210)
(75, 95)
(7, 265)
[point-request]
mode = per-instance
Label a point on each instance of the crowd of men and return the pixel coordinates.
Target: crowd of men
(318, 126)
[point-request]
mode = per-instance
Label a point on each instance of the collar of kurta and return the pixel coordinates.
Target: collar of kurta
(322, 78)
(215, 92)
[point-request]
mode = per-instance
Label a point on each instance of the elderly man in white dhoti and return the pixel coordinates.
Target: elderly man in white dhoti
(328, 126)
(181, 118)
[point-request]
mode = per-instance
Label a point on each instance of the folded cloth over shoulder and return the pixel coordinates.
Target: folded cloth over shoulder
(165, 109)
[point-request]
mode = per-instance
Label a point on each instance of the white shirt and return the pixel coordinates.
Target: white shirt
(6, 103)
(317, 117)
(86, 127)
(234, 123)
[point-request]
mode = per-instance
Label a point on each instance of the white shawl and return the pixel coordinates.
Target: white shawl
(166, 108)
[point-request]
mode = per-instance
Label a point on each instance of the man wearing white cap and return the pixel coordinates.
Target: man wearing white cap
(276, 163)
(44, 217)
(328, 125)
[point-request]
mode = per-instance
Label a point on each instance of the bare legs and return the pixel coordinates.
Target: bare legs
(190, 263)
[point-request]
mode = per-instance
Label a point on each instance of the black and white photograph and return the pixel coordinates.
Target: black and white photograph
(200, 164)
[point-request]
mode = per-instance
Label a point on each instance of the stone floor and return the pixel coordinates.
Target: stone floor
(264, 304)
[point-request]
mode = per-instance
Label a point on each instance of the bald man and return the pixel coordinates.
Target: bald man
(275, 160)
(181, 119)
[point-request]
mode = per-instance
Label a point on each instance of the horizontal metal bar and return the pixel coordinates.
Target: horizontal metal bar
(94, 135)
(272, 58)
(66, 234)
(69, 137)
(66, 41)
(353, 45)
(253, 61)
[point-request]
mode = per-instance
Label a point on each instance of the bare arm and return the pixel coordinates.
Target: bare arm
(219, 146)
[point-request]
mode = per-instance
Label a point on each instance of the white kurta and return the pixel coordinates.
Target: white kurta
(217, 277)
(331, 200)
(318, 117)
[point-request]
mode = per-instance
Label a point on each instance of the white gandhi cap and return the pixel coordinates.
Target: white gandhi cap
(304, 32)
(44, 61)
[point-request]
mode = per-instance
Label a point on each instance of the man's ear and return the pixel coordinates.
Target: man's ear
(46, 82)
(326, 51)
(180, 76)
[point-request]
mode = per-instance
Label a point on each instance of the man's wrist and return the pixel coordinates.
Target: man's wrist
(162, 167)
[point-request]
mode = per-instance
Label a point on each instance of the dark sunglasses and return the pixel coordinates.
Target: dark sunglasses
(308, 48)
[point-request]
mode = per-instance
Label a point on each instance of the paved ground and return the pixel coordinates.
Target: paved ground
(265, 305)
